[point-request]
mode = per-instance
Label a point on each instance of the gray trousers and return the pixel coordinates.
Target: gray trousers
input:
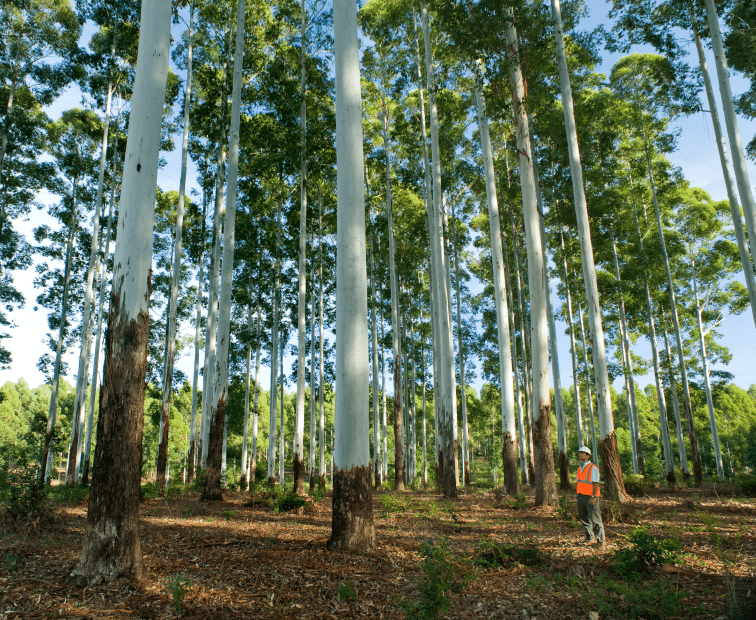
(590, 517)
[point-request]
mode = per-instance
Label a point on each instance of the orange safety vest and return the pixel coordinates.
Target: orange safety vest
(584, 484)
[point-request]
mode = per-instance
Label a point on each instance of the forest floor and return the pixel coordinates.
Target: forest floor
(235, 560)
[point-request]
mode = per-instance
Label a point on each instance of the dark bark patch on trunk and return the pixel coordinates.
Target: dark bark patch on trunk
(321, 482)
(112, 547)
(398, 430)
(212, 489)
(162, 461)
(450, 469)
(695, 456)
(564, 472)
(352, 524)
(378, 474)
(190, 466)
(312, 481)
(671, 479)
(85, 473)
(71, 470)
(252, 470)
(509, 464)
(299, 471)
(543, 457)
(614, 485)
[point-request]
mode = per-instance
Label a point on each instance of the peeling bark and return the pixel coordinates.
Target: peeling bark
(509, 459)
(352, 526)
(112, 546)
(545, 481)
(564, 472)
(613, 483)
(211, 492)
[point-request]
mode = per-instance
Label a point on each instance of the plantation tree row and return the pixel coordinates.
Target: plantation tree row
(405, 209)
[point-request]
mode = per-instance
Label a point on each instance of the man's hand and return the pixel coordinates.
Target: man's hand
(592, 501)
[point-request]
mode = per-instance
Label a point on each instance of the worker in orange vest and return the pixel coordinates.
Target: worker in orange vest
(588, 494)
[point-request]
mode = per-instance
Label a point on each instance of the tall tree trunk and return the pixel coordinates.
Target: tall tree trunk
(312, 368)
(100, 307)
(111, 546)
(612, 469)
(747, 260)
(281, 444)
(628, 363)
(377, 464)
(352, 526)
(697, 473)
(77, 428)
(384, 426)
(321, 393)
(176, 275)
(503, 310)
(247, 378)
(197, 335)
(256, 407)
(564, 474)
(48, 451)
(212, 305)
(399, 458)
(573, 349)
(731, 122)
(302, 300)
(425, 451)
(589, 394)
(527, 450)
(676, 409)
(7, 122)
(448, 397)
(273, 420)
(212, 489)
(460, 344)
(707, 384)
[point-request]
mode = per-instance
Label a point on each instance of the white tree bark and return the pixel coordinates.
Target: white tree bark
(302, 299)
(447, 423)
(197, 336)
(731, 122)
(594, 445)
(100, 307)
(74, 458)
(377, 460)
(111, 546)
(352, 526)
(170, 355)
(384, 426)
(609, 450)
(707, 384)
(321, 393)
(676, 408)
(220, 391)
(273, 419)
(52, 414)
(312, 368)
(399, 454)
(748, 261)
(247, 378)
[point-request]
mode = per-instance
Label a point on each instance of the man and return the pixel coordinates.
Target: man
(588, 494)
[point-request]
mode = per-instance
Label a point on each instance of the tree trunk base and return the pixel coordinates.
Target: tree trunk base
(671, 478)
(612, 475)
(71, 469)
(564, 472)
(352, 524)
(299, 471)
(212, 490)
(112, 547)
(378, 477)
(450, 471)
(509, 464)
(312, 482)
(85, 474)
(543, 457)
(321, 483)
(190, 467)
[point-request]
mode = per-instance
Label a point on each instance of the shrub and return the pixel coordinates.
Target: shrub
(493, 555)
(635, 484)
(178, 587)
(441, 580)
(27, 497)
(644, 552)
(290, 501)
(747, 485)
(347, 591)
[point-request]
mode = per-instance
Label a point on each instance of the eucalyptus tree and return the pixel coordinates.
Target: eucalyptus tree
(654, 27)
(75, 137)
(710, 262)
(352, 526)
(653, 84)
(609, 450)
(111, 546)
(170, 353)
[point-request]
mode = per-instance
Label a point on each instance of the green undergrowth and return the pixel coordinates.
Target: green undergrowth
(493, 555)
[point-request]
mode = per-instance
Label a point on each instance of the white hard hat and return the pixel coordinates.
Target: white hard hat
(585, 449)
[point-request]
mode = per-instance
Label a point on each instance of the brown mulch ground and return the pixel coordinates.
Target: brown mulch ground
(260, 564)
